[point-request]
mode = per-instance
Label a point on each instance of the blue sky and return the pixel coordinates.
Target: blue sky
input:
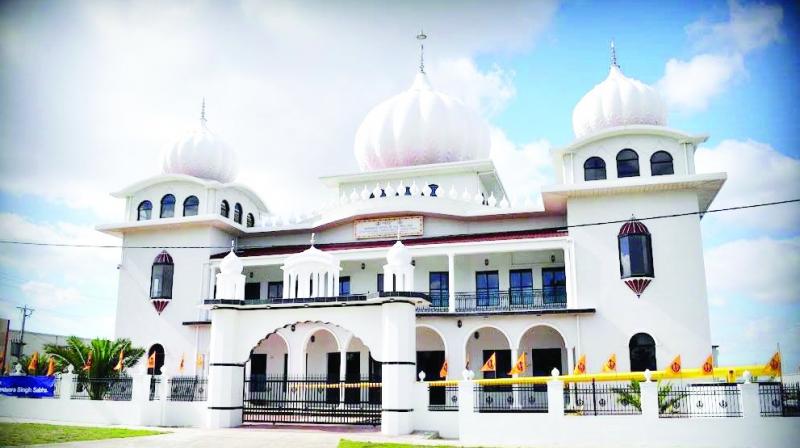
(93, 91)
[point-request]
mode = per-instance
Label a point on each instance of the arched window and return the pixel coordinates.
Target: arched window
(635, 250)
(145, 211)
(661, 164)
(594, 168)
(161, 276)
(167, 206)
(251, 220)
(642, 349)
(191, 206)
(159, 351)
(225, 209)
(237, 213)
(627, 163)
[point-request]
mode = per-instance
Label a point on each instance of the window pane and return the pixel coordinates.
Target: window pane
(344, 286)
(380, 282)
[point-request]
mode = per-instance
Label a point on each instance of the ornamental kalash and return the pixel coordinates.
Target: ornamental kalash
(426, 299)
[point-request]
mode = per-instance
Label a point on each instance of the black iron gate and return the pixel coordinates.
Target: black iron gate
(311, 399)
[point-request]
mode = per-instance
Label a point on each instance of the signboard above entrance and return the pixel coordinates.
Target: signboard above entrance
(387, 227)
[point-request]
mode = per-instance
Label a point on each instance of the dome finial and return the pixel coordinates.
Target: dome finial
(203, 111)
(614, 55)
(420, 37)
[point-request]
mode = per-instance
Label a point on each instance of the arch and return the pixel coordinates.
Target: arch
(476, 349)
(661, 164)
(546, 347)
(431, 353)
(251, 220)
(542, 324)
(237, 213)
(191, 206)
(642, 352)
(438, 333)
(273, 344)
(167, 206)
(627, 163)
(317, 345)
(224, 208)
(160, 354)
(144, 210)
(594, 168)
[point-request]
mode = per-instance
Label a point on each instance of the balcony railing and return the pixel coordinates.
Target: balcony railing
(515, 299)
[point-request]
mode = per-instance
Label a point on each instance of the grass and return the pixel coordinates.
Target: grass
(15, 434)
(344, 443)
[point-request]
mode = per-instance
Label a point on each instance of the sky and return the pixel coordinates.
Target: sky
(92, 92)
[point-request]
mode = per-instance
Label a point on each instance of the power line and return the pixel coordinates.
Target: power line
(589, 224)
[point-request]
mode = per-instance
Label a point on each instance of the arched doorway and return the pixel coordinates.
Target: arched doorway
(484, 342)
(642, 351)
(546, 350)
(431, 356)
(159, 359)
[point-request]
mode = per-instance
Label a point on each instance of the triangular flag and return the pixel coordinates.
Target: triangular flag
(151, 360)
(466, 366)
(443, 370)
(51, 367)
(199, 360)
(180, 367)
(580, 368)
(708, 366)
(88, 364)
(520, 366)
(674, 368)
(34, 364)
(773, 367)
(120, 364)
(611, 364)
(491, 364)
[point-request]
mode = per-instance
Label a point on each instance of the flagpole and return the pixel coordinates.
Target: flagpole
(780, 355)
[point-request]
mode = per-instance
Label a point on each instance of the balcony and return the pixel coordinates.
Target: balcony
(512, 300)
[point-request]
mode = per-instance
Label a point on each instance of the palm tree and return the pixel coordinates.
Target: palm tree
(105, 355)
(41, 367)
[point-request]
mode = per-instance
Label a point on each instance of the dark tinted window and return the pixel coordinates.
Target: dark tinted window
(274, 290)
(237, 213)
(145, 210)
(635, 256)
(225, 209)
(167, 206)
(344, 286)
(251, 220)
(627, 163)
(642, 350)
(594, 169)
(439, 288)
(661, 164)
(191, 206)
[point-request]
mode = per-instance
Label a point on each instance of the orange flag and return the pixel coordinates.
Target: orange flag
(120, 365)
(674, 368)
(611, 364)
(34, 364)
(151, 361)
(51, 367)
(443, 370)
(708, 366)
(491, 364)
(520, 366)
(199, 360)
(180, 367)
(466, 366)
(580, 368)
(773, 367)
(89, 360)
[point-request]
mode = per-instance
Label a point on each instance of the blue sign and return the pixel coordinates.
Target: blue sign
(28, 386)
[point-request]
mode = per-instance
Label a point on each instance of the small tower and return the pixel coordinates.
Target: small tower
(398, 272)
(230, 280)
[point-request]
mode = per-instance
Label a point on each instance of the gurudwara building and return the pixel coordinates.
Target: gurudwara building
(424, 268)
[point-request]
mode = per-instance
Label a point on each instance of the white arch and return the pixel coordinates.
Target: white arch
(478, 327)
(543, 324)
(317, 328)
(439, 333)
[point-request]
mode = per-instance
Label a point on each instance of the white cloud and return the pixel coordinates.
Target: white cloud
(771, 269)
(689, 86)
(46, 295)
(523, 169)
(757, 173)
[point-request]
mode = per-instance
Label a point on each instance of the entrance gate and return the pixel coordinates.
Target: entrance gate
(311, 399)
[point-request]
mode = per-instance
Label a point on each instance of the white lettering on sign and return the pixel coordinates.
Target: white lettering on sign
(387, 227)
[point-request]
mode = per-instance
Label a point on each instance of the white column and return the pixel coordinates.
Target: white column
(569, 273)
(751, 407)
(451, 282)
(555, 398)
(336, 284)
(212, 277)
(399, 353)
(649, 399)
(285, 284)
(225, 376)
(66, 383)
(342, 373)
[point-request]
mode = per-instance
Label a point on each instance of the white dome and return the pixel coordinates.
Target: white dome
(418, 127)
(231, 264)
(202, 154)
(398, 255)
(618, 101)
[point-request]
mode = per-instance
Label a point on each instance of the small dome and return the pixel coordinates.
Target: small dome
(163, 258)
(202, 154)
(231, 264)
(633, 227)
(618, 101)
(420, 126)
(398, 255)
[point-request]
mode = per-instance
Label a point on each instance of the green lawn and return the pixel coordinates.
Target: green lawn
(15, 434)
(344, 443)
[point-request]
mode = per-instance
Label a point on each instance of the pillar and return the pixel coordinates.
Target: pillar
(649, 398)
(555, 397)
(226, 372)
(751, 406)
(451, 282)
(569, 273)
(342, 373)
(399, 354)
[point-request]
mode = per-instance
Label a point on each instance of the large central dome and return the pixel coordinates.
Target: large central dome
(420, 126)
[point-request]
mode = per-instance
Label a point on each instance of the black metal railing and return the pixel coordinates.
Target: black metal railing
(517, 299)
(699, 400)
(187, 388)
(779, 399)
(440, 303)
(602, 399)
(301, 300)
(312, 399)
(442, 398)
(155, 387)
(115, 389)
(512, 398)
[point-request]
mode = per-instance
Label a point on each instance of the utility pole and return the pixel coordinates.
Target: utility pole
(26, 313)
